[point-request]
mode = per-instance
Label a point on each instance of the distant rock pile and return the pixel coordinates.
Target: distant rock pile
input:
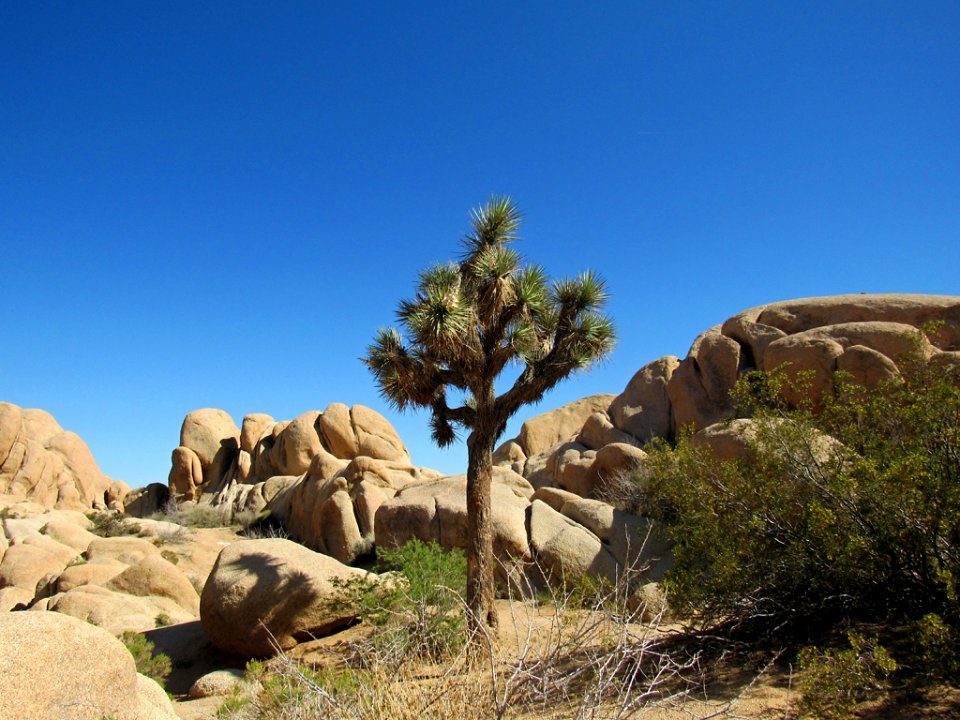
(48, 465)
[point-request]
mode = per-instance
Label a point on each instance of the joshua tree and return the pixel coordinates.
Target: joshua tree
(467, 322)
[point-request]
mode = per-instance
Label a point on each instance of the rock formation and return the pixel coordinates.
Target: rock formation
(46, 464)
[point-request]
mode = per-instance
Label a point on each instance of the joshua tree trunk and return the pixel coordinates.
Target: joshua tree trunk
(480, 559)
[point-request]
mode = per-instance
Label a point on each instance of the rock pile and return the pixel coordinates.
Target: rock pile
(47, 465)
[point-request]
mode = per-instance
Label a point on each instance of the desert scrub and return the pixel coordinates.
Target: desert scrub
(414, 606)
(156, 666)
(834, 681)
(110, 524)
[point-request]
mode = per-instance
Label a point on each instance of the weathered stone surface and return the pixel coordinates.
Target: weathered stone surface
(643, 408)
(63, 553)
(796, 316)
(271, 587)
(115, 611)
(297, 444)
(866, 366)
(811, 354)
(376, 437)
(12, 597)
(90, 573)
(215, 438)
(26, 566)
(186, 474)
(599, 430)
(689, 400)
(253, 429)
(554, 497)
(340, 531)
(42, 462)
(154, 576)
(728, 441)
(128, 550)
(565, 549)
(49, 677)
(146, 501)
(216, 683)
(542, 432)
(437, 511)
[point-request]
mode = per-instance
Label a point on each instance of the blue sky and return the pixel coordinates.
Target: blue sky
(218, 204)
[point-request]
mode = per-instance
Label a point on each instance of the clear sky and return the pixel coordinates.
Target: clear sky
(217, 204)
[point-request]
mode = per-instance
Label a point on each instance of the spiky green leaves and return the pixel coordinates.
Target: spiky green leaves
(495, 223)
(442, 317)
(468, 320)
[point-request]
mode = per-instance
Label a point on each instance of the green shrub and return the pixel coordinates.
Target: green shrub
(415, 609)
(849, 513)
(156, 666)
(835, 681)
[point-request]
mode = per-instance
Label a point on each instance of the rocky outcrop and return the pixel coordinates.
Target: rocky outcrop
(214, 438)
(262, 592)
(46, 464)
(55, 666)
(864, 336)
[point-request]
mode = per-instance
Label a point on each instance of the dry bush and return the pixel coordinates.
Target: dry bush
(580, 651)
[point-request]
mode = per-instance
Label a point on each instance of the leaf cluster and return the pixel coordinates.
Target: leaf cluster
(469, 319)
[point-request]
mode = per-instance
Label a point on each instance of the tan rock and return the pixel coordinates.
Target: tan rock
(215, 438)
(336, 428)
(866, 366)
(566, 550)
(62, 651)
(89, 573)
(128, 550)
(437, 511)
(42, 463)
(117, 612)
(186, 473)
(554, 497)
(272, 587)
(542, 432)
(12, 597)
(643, 408)
(253, 429)
(63, 553)
(376, 437)
(216, 683)
(729, 440)
(796, 316)
(27, 566)
(339, 529)
(296, 445)
(599, 430)
(811, 354)
(155, 576)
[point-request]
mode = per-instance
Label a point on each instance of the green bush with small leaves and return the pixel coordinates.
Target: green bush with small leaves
(834, 681)
(842, 511)
(415, 608)
(153, 665)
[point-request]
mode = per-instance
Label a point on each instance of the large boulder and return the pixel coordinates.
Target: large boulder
(28, 567)
(117, 612)
(56, 667)
(43, 463)
(542, 432)
(437, 511)
(643, 408)
(155, 576)
(566, 550)
(297, 444)
(186, 474)
(262, 592)
(360, 431)
(215, 438)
